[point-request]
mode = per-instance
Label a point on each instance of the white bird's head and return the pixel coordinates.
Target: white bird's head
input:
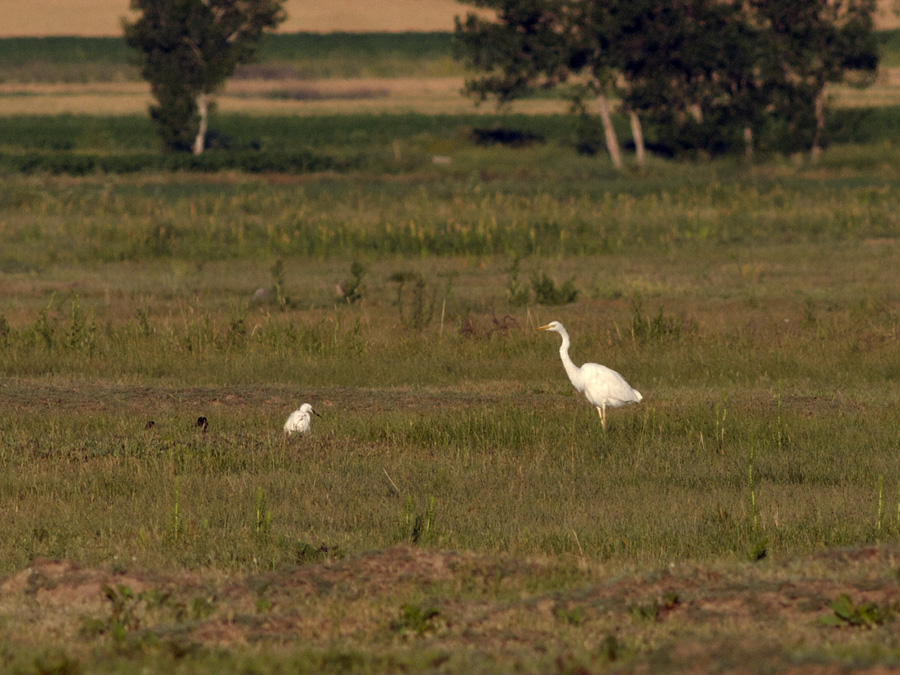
(555, 326)
(307, 408)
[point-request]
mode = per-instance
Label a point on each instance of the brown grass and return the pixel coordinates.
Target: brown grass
(103, 17)
(437, 95)
(267, 97)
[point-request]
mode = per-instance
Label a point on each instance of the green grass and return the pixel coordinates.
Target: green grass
(303, 55)
(402, 144)
(779, 342)
(540, 202)
(889, 42)
(713, 514)
(755, 307)
(311, 55)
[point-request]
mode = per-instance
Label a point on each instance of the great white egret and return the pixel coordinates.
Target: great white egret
(602, 386)
(298, 421)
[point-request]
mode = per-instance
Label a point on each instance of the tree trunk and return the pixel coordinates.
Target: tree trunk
(200, 140)
(748, 142)
(638, 136)
(611, 143)
(816, 149)
(696, 112)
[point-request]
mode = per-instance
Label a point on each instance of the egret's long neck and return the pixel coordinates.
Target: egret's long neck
(573, 371)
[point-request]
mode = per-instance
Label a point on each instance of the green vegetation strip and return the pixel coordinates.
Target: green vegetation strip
(293, 55)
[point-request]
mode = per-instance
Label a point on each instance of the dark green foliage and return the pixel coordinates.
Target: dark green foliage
(589, 135)
(611, 648)
(501, 136)
(82, 163)
(695, 95)
(518, 292)
(279, 294)
(82, 144)
(652, 329)
(416, 619)
(574, 616)
(527, 47)
(4, 330)
(352, 289)
(414, 302)
(123, 617)
(703, 76)
(546, 292)
(187, 49)
(863, 615)
(759, 550)
(656, 608)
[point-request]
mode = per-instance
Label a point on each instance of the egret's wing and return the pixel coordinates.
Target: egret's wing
(297, 421)
(291, 422)
(605, 387)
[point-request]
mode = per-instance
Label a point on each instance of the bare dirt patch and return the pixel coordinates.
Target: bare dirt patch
(752, 616)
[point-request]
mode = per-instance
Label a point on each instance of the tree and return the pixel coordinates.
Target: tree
(188, 48)
(808, 45)
(534, 44)
(704, 75)
(685, 65)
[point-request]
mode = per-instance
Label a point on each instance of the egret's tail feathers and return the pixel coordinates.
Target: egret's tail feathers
(638, 395)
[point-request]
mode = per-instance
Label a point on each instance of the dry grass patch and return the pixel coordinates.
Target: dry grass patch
(102, 17)
(375, 95)
(268, 97)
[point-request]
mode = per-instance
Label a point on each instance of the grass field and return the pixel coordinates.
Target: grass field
(293, 56)
(757, 313)
(457, 508)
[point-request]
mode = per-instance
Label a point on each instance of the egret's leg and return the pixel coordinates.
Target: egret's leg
(601, 410)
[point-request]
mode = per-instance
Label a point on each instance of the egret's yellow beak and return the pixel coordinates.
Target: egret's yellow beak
(547, 327)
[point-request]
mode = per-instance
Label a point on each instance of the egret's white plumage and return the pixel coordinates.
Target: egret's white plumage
(602, 386)
(298, 421)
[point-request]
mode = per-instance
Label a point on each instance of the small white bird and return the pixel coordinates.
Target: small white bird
(602, 386)
(298, 421)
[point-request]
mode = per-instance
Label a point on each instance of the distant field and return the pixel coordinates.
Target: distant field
(386, 133)
(281, 56)
(302, 74)
(103, 17)
(299, 55)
